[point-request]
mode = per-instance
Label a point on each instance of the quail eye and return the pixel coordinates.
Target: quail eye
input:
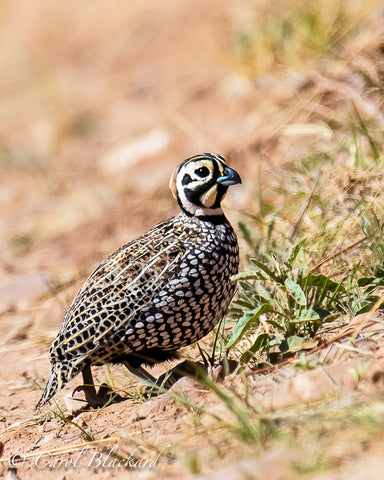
(202, 172)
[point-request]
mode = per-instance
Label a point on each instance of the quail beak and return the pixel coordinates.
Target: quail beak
(230, 177)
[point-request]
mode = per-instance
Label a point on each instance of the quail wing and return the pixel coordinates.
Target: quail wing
(117, 290)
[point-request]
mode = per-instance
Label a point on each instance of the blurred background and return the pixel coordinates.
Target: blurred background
(100, 100)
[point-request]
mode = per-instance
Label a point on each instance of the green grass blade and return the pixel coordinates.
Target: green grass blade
(245, 322)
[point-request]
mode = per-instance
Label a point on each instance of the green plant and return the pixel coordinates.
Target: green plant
(307, 362)
(290, 35)
(284, 304)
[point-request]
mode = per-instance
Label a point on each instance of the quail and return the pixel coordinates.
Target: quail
(165, 290)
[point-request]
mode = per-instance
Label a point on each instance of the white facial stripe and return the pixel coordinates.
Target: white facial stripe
(191, 167)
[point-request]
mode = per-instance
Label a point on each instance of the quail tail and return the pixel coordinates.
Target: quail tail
(51, 387)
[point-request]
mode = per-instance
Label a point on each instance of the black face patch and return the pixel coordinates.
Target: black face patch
(202, 172)
(186, 179)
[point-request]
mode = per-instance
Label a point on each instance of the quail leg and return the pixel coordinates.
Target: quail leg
(141, 373)
(168, 378)
(93, 398)
(196, 370)
(187, 368)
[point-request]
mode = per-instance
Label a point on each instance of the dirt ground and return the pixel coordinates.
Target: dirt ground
(99, 102)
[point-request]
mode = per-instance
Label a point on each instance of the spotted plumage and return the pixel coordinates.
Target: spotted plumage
(163, 291)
